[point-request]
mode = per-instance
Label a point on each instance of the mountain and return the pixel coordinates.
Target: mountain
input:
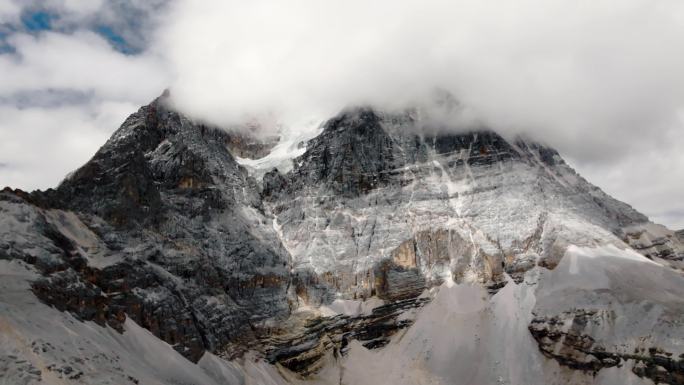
(380, 247)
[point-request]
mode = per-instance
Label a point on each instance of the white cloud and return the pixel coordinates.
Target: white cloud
(558, 68)
(649, 176)
(9, 11)
(61, 97)
(38, 146)
(82, 61)
(75, 8)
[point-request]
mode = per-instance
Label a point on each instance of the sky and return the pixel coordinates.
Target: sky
(602, 81)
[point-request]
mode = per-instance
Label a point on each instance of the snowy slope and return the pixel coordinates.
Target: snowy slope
(41, 345)
(464, 336)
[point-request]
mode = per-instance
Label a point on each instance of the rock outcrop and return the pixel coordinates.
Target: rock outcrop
(564, 338)
(657, 242)
(169, 230)
(302, 344)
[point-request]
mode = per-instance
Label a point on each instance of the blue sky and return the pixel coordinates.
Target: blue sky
(35, 19)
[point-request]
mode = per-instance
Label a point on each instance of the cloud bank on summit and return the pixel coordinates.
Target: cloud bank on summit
(600, 81)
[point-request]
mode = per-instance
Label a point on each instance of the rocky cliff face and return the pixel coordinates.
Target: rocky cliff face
(168, 230)
(384, 230)
(680, 235)
(377, 192)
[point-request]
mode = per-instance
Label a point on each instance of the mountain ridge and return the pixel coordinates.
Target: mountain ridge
(167, 229)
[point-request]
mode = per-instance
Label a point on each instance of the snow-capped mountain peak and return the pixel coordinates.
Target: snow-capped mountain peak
(375, 247)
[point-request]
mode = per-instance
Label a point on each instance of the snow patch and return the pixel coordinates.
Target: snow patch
(292, 144)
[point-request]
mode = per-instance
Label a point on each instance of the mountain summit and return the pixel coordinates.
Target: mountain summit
(381, 250)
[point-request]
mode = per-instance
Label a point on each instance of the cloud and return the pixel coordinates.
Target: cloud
(39, 145)
(647, 176)
(81, 61)
(560, 70)
(128, 25)
(62, 95)
(9, 11)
